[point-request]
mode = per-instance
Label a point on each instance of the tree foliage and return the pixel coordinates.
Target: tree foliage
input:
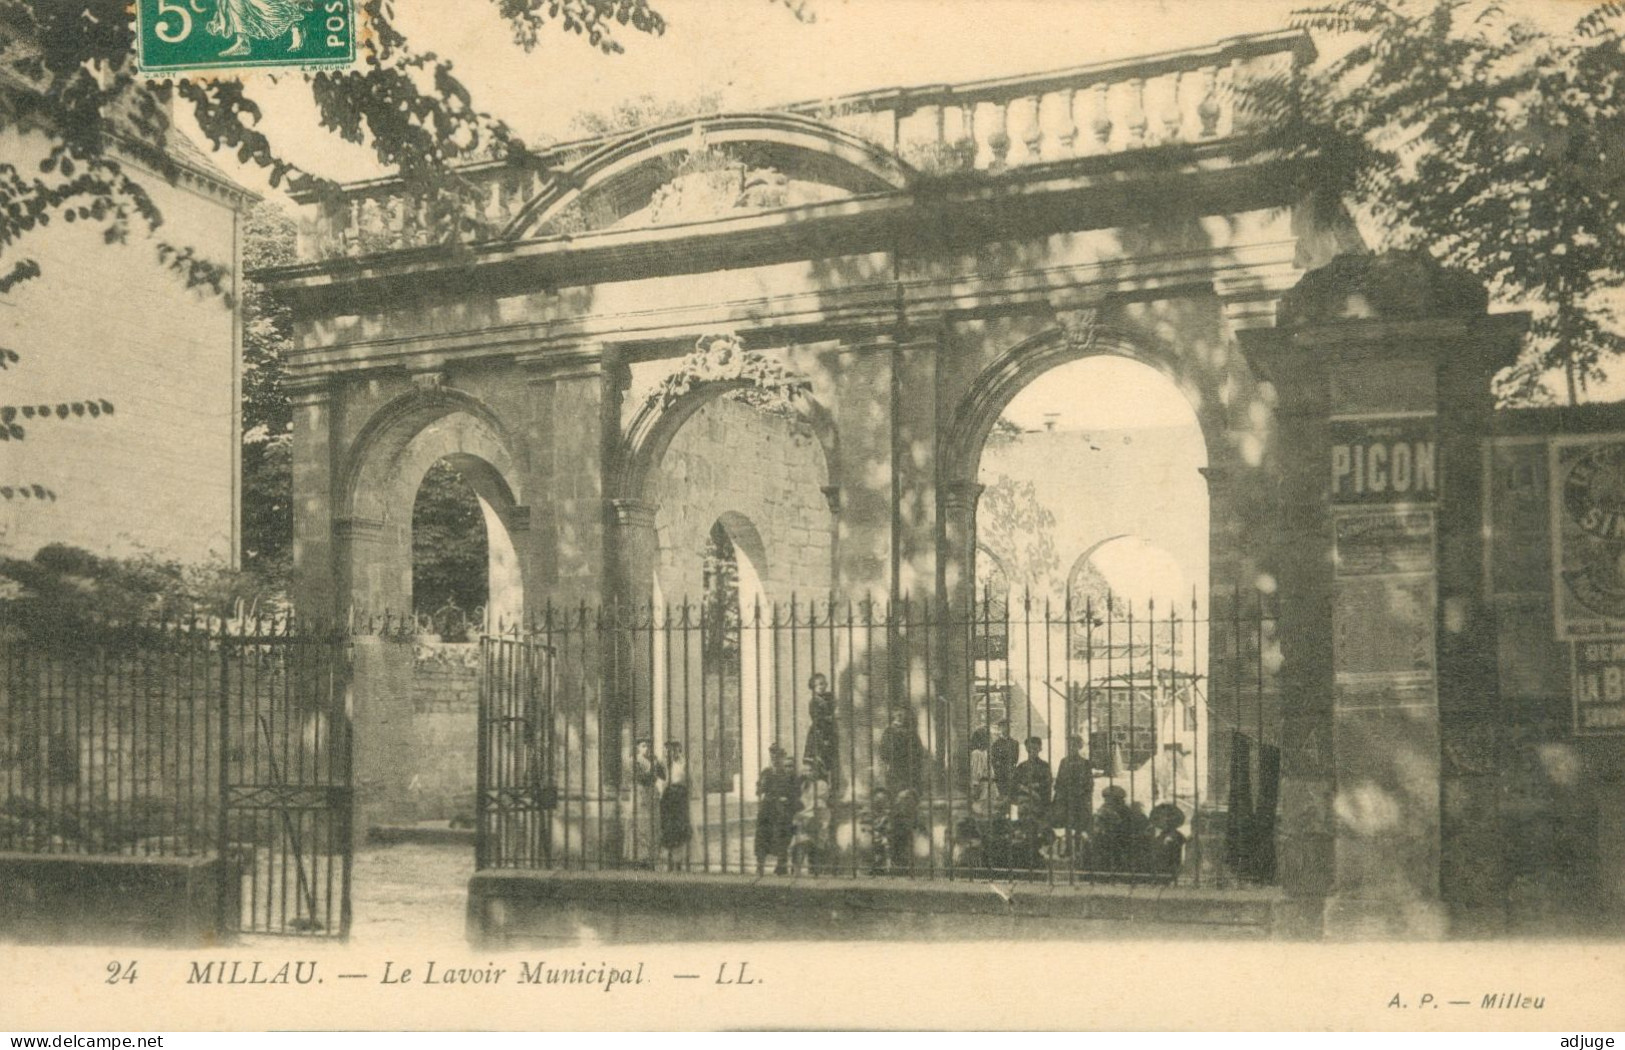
(1011, 522)
(403, 102)
(267, 420)
(15, 421)
(449, 545)
(61, 586)
(1494, 144)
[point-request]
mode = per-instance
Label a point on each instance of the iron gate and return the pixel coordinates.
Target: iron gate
(516, 789)
(185, 736)
(285, 778)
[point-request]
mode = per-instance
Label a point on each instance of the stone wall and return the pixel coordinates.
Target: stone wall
(445, 714)
(1101, 484)
(760, 469)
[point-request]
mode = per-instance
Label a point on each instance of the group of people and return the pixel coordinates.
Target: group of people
(1024, 816)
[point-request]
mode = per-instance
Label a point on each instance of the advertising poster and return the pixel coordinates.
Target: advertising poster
(1588, 534)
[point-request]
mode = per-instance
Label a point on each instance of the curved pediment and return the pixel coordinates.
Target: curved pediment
(705, 167)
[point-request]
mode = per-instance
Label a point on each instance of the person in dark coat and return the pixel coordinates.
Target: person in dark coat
(1074, 797)
(823, 744)
(901, 753)
(1002, 755)
(675, 829)
(900, 831)
(778, 796)
(1166, 850)
(1113, 839)
(1033, 785)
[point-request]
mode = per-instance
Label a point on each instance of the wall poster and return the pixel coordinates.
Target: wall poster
(1383, 646)
(1588, 536)
(1599, 687)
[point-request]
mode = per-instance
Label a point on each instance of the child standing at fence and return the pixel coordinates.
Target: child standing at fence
(823, 745)
(648, 775)
(777, 797)
(675, 829)
(1074, 796)
(811, 839)
(1032, 797)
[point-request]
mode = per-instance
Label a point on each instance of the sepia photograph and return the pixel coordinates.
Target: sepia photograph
(865, 514)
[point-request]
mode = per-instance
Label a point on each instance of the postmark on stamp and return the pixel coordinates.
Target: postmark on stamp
(176, 37)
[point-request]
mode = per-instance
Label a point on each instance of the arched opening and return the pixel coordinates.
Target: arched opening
(1095, 509)
(739, 723)
(450, 554)
(733, 548)
(430, 546)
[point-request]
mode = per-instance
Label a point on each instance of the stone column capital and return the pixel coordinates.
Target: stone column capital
(354, 526)
(1250, 294)
(1216, 477)
(960, 497)
(633, 513)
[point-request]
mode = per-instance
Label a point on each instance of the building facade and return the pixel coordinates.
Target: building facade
(904, 264)
(159, 475)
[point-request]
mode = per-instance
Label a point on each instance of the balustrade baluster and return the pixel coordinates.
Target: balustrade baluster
(1136, 124)
(395, 220)
(1102, 124)
(1033, 135)
(352, 242)
(1069, 121)
(1209, 110)
(1172, 112)
(998, 136)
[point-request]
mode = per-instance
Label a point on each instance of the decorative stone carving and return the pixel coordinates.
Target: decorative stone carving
(1082, 328)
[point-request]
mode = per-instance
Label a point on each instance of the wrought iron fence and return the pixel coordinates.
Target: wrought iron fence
(184, 737)
(1073, 740)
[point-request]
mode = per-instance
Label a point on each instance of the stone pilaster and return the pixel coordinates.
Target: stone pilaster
(314, 554)
(958, 502)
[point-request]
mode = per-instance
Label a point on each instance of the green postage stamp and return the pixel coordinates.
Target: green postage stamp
(183, 36)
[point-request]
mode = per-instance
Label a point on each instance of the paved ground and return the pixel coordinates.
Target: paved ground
(410, 892)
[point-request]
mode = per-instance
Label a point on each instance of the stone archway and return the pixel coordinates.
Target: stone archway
(993, 390)
(414, 707)
(965, 487)
(380, 481)
(683, 463)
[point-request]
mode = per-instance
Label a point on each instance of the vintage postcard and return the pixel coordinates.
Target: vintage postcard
(1014, 514)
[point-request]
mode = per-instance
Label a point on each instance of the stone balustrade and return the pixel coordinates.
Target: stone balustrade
(1177, 99)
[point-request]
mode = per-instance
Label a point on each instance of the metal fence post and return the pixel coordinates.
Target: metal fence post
(230, 884)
